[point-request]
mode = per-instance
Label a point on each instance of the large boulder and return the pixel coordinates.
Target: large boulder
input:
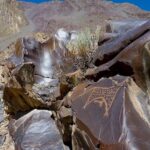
(110, 113)
(110, 49)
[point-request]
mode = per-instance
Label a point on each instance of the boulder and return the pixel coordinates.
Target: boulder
(36, 130)
(111, 113)
(18, 99)
(109, 50)
(131, 61)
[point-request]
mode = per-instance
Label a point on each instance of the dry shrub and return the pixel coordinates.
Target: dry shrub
(83, 47)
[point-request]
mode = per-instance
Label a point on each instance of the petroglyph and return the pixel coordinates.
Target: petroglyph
(104, 96)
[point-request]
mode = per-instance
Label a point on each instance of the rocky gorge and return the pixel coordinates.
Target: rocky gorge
(64, 87)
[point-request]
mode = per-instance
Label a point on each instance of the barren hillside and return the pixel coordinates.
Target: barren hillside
(77, 14)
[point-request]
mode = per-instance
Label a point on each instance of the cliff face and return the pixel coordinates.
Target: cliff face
(11, 17)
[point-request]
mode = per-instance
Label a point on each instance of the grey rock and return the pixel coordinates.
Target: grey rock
(36, 130)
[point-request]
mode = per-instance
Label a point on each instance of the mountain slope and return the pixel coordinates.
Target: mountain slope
(76, 14)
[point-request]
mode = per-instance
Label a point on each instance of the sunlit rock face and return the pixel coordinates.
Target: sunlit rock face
(11, 17)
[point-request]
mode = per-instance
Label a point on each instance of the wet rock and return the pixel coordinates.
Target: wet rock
(18, 92)
(36, 130)
(36, 68)
(112, 112)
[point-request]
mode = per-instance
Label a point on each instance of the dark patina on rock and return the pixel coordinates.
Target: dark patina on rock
(113, 113)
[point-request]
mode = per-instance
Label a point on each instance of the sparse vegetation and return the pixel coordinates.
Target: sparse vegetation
(83, 47)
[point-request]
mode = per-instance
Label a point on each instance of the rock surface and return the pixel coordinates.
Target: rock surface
(112, 112)
(36, 130)
(51, 101)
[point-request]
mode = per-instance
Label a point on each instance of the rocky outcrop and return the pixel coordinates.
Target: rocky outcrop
(49, 102)
(109, 50)
(132, 57)
(105, 113)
